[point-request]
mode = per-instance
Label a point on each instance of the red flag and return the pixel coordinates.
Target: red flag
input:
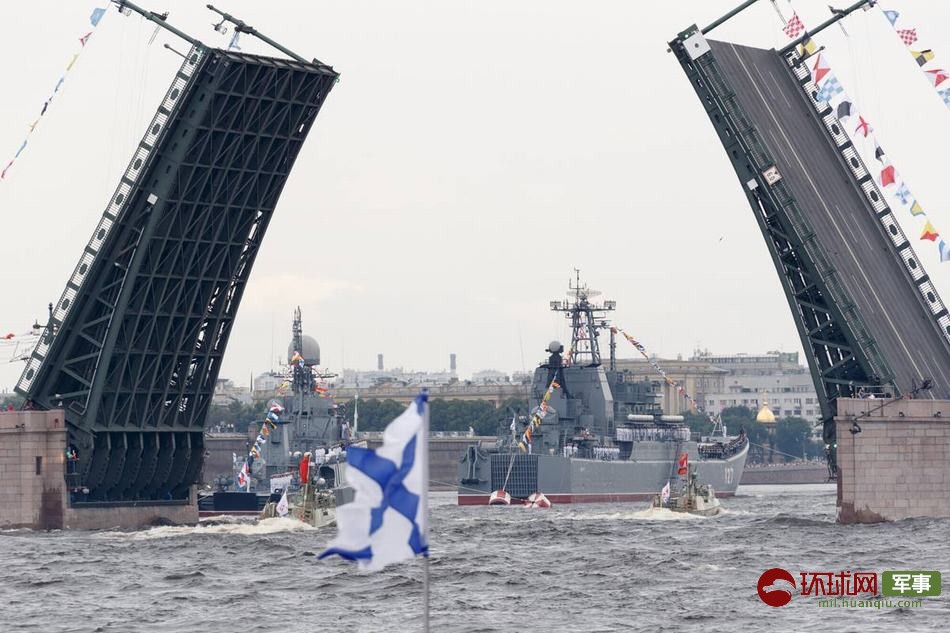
(305, 469)
(887, 176)
(909, 36)
(682, 466)
(937, 76)
(794, 27)
(85, 38)
(819, 71)
(863, 127)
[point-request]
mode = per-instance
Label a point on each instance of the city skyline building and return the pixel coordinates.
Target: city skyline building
(716, 381)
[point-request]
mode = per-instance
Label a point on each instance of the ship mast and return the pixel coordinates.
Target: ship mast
(303, 378)
(587, 319)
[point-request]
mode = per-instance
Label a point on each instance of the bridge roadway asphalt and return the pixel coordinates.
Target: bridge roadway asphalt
(842, 218)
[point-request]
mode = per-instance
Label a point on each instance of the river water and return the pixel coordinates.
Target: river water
(583, 568)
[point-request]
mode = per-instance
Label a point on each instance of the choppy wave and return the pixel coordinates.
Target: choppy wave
(647, 514)
(570, 569)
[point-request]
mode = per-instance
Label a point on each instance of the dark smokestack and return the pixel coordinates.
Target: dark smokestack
(452, 363)
(379, 362)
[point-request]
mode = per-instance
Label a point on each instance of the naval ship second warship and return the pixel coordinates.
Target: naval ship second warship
(603, 436)
(311, 423)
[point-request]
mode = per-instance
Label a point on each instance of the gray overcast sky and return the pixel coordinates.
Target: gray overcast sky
(472, 155)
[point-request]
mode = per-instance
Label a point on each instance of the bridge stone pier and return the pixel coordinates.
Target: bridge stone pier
(35, 490)
(893, 459)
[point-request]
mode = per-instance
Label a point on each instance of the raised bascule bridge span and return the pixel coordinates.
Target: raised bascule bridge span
(134, 345)
(869, 317)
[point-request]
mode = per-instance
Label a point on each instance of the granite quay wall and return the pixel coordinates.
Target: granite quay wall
(34, 493)
(893, 459)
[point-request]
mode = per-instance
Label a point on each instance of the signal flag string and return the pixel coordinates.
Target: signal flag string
(537, 416)
(680, 389)
(859, 130)
(94, 19)
(923, 56)
(269, 424)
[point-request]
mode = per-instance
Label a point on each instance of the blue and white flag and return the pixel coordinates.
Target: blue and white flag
(903, 193)
(387, 521)
(97, 14)
(829, 89)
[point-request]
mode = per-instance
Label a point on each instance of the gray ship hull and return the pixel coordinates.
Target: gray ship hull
(574, 480)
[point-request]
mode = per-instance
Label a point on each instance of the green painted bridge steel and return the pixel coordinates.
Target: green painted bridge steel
(135, 343)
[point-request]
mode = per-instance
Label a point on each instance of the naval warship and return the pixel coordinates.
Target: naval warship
(602, 435)
(310, 424)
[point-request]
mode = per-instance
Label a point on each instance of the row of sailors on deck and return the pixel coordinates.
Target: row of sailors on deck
(323, 455)
(680, 433)
(569, 450)
(607, 453)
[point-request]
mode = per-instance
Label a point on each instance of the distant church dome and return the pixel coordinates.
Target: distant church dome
(765, 415)
(310, 351)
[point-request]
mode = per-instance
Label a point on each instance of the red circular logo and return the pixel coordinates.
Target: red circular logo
(776, 587)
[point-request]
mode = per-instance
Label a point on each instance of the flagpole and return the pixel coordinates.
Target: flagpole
(425, 593)
(425, 500)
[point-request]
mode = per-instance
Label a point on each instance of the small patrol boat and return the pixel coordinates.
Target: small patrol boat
(693, 497)
(314, 504)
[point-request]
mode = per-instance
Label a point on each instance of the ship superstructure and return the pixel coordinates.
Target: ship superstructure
(310, 424)
(311, 421)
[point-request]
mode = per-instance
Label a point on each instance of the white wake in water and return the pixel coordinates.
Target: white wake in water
(230, 527)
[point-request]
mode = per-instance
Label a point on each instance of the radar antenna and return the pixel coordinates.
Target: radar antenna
(587, 319)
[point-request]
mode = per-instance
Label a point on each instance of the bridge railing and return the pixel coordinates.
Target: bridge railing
(748, 138)
(117, 204)
(872, 192)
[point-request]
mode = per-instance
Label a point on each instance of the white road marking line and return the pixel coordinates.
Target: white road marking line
(942, 375)
(779, 146)
(780, 91)
(863, 295)
(856, 225)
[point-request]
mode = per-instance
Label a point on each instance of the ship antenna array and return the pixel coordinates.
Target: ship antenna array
(587, 319)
